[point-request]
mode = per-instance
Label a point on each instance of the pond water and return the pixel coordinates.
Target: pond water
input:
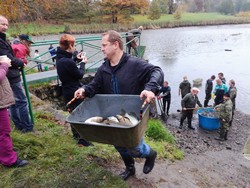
(197, 52)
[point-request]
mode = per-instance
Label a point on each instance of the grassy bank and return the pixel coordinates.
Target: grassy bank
(187, 19)
(56, 161)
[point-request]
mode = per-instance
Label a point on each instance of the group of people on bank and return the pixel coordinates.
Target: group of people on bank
(121, 73)
(224, 101)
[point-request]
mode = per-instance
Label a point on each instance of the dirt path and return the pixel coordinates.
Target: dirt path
(208, 163)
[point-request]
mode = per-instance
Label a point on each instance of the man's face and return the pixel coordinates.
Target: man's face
(108, 49)
(194, 92)
(3, 25)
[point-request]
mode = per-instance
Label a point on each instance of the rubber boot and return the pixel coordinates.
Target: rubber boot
(222, 135)
(130, 167)
(150, 162)
(225, 136)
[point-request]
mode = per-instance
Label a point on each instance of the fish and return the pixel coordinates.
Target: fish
(96, 119)
(126, 119)
(110, 120)
(130, 116)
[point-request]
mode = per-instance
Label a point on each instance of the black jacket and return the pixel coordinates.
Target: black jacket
(209, 86)
(166, 92)
(131, 76)
(68, 73)
(185, 87)
(16, 64)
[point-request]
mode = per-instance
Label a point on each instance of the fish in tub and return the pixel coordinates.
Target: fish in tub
(124, 119)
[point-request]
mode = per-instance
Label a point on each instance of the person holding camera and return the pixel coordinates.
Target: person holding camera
(70, 75)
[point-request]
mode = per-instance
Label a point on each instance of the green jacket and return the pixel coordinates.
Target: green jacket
(190, 101)
(226, 110)
(233, 94)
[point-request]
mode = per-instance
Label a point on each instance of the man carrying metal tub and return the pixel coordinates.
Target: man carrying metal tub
(125, 74)
(225, 114)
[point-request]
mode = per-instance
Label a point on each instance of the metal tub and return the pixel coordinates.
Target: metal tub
(105, 106)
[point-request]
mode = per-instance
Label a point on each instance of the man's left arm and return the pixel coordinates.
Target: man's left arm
(198, 102)
(154, 77)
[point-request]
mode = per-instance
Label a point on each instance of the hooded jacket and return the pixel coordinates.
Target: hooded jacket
(6, 95)
(185, 87)
(131, 76)
(16, 64)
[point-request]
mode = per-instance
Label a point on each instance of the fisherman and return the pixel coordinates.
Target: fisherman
(125, 74)
(233, 93)
(188, 104)
(225, 115)
(221, 77)
(184, 87)
(208, 90)
(219, 90)
(131, 39)
(166, 97)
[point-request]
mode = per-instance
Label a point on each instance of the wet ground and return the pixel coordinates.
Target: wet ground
(208, 162)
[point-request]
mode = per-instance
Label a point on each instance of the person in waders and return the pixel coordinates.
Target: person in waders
(208, 90)
(188, 104)
(225, 115)
(184, 87)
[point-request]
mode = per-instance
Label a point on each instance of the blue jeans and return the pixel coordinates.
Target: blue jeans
(19, 111)
(140, 151)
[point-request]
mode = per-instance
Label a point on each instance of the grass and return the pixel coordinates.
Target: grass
(56, 161)
(187, 19)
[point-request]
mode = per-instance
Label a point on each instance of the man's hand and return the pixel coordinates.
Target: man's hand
(79, 94)
(148, 95)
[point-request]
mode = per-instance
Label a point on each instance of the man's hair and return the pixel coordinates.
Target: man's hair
(66, 40)
(232, 82)
(213, 77)
(113, 37)
(166, 82)
(221, 74)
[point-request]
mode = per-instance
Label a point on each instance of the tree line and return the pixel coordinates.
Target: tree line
(110, 11)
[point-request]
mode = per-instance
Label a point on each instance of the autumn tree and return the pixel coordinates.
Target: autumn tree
(154, 10)
(120, 10)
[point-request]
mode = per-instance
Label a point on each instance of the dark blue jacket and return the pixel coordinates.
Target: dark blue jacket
(69, 74)
(16, 64)
(131, 76)
(166, 92)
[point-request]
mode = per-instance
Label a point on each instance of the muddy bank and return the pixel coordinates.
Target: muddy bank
(208, 162)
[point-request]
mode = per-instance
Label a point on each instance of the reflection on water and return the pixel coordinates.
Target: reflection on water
(199, 52)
